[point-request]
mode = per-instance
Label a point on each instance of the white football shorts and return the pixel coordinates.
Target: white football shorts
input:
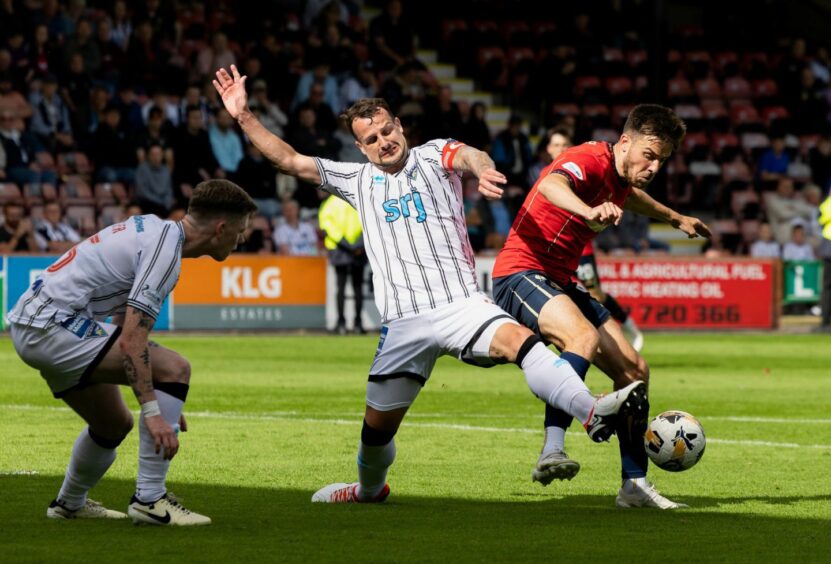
(66, 354)
(409, 347)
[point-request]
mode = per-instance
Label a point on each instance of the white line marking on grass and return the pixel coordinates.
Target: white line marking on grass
(354, 420)
(747, 419)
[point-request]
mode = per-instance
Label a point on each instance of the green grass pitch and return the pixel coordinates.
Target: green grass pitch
(273, 418)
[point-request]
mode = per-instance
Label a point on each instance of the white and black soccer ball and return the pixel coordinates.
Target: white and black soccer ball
(674, 440)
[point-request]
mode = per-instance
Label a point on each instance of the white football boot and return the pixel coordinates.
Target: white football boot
(604, 415)
(165, 511)
(641, 493)
(554, 465)
(346, 493)
(90, 510)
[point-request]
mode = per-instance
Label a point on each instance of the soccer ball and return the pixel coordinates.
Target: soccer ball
(675, 441)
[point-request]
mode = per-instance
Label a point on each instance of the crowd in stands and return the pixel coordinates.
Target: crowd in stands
(107, 110)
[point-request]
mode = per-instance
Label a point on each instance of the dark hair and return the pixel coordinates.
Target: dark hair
(218, 197)
(364, 108)
(657, 121)
(558, 131)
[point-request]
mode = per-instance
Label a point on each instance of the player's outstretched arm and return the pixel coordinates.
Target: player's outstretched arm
(231, 88)
(644, 204)
(482, 166)
(133, 344)
(556, 189)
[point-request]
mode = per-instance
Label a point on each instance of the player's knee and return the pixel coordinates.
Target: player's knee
(113, 432)
(177, 370)
(508, 342)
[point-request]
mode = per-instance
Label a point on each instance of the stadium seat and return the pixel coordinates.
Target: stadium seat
(587, 86)
(799, 172)
(110, 194)
(613, 62)
(754, 143)
(81, 218)
(692, 115)
(9, 192)
(619, 114)
(487, 33)
(806, 143)
(597, 115)
(697, 145)
(45, 160)
(517, 33)
(755, 65)
(673, 61)
(491, 63)
(708, 88)
(619, 88)
(749, 229)
(605, 134)
(737, 88)
(744, 117)
(73, 163)
(736, 171)
(773, 114)
(765, 88)
(699, 63)
(76, 192)
(679, 87)
(727, 63)
(559, 111)
(725, 146)
(521, 59)
(716, 115)
(637, 60)
(36, 194)
(741, 199)
(110, 215)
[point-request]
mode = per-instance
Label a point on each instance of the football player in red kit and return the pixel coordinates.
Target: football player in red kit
(579, 194)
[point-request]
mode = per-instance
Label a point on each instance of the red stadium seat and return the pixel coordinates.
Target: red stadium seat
(679, 87)
(807, 142)
(741, 198)
(619, 86)
(110, 215)
(76, 192)
(736, 171)
(585, 85)
(744, 114)
(110, 194)
(563, 110)
(695, 140)
(692, 115)
(605, 134)
(449, 27)
(771, 114)
(765, 88)
(723, 142)
(637, 59)
(37, 194)
(518, 55)
(754, 143)
(727, 63)
(737, 88)
(619, 114)
(708, 88)
(597, 114)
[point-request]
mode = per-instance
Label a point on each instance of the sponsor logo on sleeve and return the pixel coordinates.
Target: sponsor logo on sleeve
(574, 169)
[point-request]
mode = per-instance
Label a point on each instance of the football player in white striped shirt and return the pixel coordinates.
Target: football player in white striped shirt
(58, 327)
(410, 204)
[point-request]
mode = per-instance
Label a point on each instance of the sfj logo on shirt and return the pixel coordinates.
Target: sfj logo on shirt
(401, 207)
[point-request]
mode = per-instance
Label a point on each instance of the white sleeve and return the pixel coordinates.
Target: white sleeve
(159, 263)
(341, 179)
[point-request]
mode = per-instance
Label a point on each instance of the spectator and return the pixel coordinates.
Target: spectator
(819, 159)
(268, 112)
(392, 42)
(12, 101)
(309, 139)
(362, 84)
(112, 56)
(348, 152)
(825, 253)
(122, 27)
(318, 82)
(798, 247)
(765, 246)
(475, 132)
(225, 142)
(258, 177)
(334, 48)
(53, 16)
(20, 148)
(16, 234)
(773, 164)
(217, 55)
(445, 119)
(114, 153)
(511, 152)
(161, 100)
(131, 112)
(43, 54)
(194, 156)
(809, 108)
(294, 237)
(193, 97)
(52, 234)
(154, 184)
(50, 120)
(75, 91)
(784, 206)
(344, 242)
(157, 132)
(83, 43)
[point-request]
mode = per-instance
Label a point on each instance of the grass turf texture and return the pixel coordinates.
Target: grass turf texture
(273, 418)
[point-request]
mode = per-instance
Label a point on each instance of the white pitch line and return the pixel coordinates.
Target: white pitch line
(289, 416)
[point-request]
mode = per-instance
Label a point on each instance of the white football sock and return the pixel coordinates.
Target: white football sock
(555, 382)
(373, 463)
(152, 467)
(89, 461)
(555, 439)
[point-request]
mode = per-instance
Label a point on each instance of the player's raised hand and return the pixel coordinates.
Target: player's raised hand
(489, 181)
(231, 88)
(693, 227)
(163, 435)
(607, 213)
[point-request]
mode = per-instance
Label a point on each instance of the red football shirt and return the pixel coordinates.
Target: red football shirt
(550, 239)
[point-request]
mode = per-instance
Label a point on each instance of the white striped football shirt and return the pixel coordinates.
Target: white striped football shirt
(133, 263)
(414, 228)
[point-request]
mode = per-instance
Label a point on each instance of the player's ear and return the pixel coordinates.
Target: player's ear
(397, 123)
(360, 147)
(625, 142)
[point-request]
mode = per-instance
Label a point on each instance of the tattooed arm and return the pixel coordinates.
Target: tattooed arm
(135, 347)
